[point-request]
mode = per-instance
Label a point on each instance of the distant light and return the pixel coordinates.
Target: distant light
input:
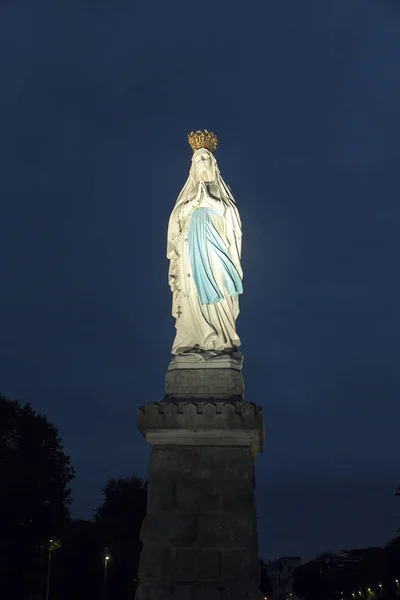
(380, 585)
(107, 557)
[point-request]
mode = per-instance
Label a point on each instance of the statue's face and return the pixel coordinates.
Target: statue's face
(203, 165)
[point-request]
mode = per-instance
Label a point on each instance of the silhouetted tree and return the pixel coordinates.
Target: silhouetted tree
(118, 521)
(318, 578)
(77, 567)
(392, 552)
(365, 573)
(265, 581)
(34, 497)
(363, 568)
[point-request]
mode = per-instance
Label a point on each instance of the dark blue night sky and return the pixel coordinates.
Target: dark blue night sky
(97, 99)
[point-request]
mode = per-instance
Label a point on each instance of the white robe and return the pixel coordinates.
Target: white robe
(203, 326)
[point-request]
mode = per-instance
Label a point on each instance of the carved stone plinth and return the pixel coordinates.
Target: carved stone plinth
(192, 376)
(199, 535)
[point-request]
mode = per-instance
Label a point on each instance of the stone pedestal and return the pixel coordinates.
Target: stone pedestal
(197, 378)
(199, 535)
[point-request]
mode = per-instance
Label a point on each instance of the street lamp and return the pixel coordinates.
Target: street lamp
(48, 571)
(53, 545)
(106, 559)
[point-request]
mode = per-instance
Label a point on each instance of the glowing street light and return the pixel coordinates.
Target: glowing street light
(107, 557)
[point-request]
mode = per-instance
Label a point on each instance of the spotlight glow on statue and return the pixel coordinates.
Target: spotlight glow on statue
(204, 249)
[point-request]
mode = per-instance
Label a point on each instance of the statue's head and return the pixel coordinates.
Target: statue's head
(203, 166)
(203, 144)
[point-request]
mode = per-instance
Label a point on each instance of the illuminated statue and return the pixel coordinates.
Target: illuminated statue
(204, 248)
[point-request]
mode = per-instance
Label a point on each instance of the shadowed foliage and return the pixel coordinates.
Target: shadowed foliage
(34, 496)
(78, 568)
(118, 521)
(365, 573)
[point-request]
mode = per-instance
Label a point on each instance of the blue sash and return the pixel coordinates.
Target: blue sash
(203, 240)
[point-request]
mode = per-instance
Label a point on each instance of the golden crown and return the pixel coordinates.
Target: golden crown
(203, 139)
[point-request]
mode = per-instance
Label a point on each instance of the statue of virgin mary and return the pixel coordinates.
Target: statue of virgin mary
(204, 249)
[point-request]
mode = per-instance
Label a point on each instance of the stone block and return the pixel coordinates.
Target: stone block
(169, 528)
(182, 592)
(217, 457)
(144, 591)
(177, 462)
(197, 496)
(161, 494)
(184, 564)
(206, 592)
(163, 461)
(209, 564)
(188, 462)
(226, 530)
(154, 564)
(163, 592)
(237, 495)
(221, 384)
(242, 565)
(242, 591)
(226, 463)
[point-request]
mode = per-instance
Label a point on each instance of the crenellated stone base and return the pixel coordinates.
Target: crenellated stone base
(199, 535)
